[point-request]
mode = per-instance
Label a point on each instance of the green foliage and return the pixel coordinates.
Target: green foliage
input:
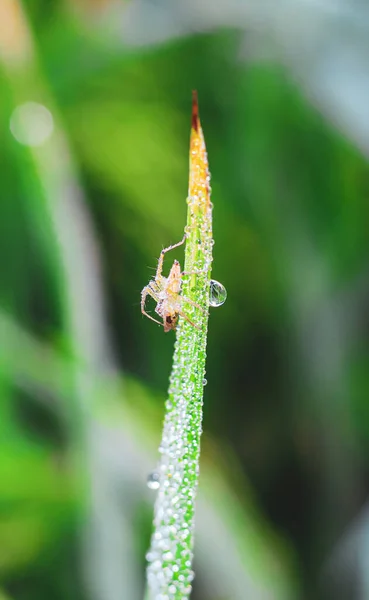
(170, 556)
(286, 422)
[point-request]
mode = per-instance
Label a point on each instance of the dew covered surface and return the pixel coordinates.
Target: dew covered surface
(171, 551)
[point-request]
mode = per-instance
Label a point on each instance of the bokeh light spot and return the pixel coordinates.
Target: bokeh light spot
(31, 124)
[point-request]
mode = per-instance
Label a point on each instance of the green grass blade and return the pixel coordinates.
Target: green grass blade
(171, 552)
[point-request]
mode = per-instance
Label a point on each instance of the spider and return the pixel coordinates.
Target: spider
(166, 293)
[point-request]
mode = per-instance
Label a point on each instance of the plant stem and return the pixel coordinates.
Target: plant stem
(171, 552)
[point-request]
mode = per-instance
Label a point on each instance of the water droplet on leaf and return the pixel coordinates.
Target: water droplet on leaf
(204, 381)
(218, 293)
(153, 481)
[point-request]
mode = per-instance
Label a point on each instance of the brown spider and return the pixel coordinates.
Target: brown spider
(166, 293)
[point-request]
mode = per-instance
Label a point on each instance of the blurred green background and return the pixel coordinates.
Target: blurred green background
(94, 134)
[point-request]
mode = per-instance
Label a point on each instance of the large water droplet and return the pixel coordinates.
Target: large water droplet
(218, 293)
(153, 481)
(204, 381)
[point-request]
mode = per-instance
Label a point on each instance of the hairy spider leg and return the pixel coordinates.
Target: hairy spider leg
(193, 303)
(194, 272)
(163, 252)
(147, 291)
(180, 312)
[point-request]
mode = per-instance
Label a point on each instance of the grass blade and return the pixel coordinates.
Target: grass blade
(171, 552)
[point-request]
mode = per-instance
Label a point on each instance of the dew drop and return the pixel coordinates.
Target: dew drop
(218, 293)
(168, 556)
(204, 381)
(153, 481)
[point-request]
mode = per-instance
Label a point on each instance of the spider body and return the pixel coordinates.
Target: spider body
(169, 305)
(166, 291)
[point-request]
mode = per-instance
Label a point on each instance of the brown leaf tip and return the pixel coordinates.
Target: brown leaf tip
(195, 111)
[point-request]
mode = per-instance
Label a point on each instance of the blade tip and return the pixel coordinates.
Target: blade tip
(195, 111)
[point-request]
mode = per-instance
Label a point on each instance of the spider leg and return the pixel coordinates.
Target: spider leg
(180, 312)
(193, 303)
(195, 272)
(147, 291)
(154, 287)
(163, 252)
